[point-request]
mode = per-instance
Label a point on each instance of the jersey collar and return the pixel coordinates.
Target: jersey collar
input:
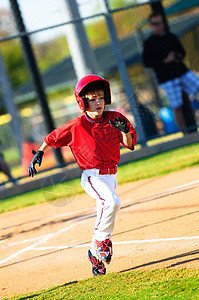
(100, 120)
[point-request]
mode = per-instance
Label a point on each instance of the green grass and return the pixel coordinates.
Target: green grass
(156, 165)
(160, 164)
(156, 284)
(67, 190)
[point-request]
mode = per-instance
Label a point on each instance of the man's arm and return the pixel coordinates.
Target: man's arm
(179, 49)
(170, 57)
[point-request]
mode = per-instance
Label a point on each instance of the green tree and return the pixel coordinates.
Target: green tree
(125, 22)
(11, 50)
(119, 3)
(51, 52)
(14, 61)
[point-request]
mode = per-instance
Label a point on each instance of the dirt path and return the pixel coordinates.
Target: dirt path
(47, 245)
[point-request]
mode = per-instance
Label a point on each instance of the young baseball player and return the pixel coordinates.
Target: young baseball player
(94, 139)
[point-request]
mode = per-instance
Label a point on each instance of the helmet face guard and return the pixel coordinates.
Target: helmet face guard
(88, 83)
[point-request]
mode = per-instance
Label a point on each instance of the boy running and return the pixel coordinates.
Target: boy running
(94, 139)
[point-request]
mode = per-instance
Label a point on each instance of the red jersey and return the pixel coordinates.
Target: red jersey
(95, 144)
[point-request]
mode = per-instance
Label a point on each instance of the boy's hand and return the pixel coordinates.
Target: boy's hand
(37, 159)
(120, 124)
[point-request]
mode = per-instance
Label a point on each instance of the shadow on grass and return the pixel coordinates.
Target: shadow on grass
(43, 292)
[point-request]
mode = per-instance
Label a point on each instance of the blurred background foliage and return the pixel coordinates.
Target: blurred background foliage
(54, 60)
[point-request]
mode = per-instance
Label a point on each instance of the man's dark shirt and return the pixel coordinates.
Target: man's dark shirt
(156, 49)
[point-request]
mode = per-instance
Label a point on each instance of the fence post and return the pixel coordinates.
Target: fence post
(35, 74)
(123, 73)
(81, 53)
(11, 108)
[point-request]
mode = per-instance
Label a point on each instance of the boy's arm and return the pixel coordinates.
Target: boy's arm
(128, 139)
(122, 125)
(44, 147)
(37, 158)
(59, 137)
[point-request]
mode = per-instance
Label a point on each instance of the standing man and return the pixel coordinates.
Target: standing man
(164, 53)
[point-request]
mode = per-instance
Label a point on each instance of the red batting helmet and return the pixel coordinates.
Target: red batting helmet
(87, 83)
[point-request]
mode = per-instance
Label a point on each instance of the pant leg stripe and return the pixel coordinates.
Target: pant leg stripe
(89, 180)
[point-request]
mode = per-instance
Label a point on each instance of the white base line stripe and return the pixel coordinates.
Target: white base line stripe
(43, 239)
(46, 236)
(34, 247)
(122, 243)
(158, 240)
(182, 187)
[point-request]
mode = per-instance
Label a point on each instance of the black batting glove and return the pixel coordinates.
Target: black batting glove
(120, 124)
(37, 159)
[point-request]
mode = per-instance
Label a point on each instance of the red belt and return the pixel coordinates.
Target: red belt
(109, 171)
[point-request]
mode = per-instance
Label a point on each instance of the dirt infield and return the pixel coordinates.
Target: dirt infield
(47, 245)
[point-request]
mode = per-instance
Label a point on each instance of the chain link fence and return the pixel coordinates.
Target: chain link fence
(53, 56)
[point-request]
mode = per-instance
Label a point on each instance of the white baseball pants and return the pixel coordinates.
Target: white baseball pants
(103, 188)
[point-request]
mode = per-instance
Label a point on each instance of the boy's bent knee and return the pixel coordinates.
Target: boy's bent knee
(116, 203)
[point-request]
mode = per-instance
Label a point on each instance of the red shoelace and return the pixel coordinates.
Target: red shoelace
(105, 245)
